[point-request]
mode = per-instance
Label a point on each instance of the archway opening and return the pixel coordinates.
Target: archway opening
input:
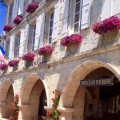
(99, 102)
(34, 96)
(37, 100)
(7, 107)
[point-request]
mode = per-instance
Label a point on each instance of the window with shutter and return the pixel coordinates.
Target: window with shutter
(29, 46)
(42, 30)
(10, 49)
(50, 27)
(17, 44)
(21, 7)
(26, 3)
(10, 14)
(7, 49)
(65, 18)
(26, 40)
(33, 37)
(56, 22)
(106, 9)
(8, 9)
(82, 14)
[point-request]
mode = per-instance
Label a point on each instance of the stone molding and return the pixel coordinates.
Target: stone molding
(23, 106)
(68, 110)
(47, 108)
(2, 103)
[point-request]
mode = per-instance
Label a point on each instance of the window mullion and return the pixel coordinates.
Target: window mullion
(80, 15)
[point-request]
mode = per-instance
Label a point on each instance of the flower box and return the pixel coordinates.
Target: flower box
(32, 7)
(3, 66)
(110, 24)
(47, 50)
(28, 57)
(13, 63)
(18, 19)
(74, 39)
(7, 28)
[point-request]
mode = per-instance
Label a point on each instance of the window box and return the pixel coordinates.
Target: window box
(28, 57)
(7, 28)
(111, 24)
(47, 50)
(32, 7)
(74, 39)
(3, 66)
(18, 19)
(13, 63)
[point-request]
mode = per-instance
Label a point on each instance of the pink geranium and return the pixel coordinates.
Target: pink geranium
(18, 19)
(7, 28)
(28, 57)
(97, 28)
(74, 39)
(12, 63)
(47, 50)
(3, 66)
(31, 7)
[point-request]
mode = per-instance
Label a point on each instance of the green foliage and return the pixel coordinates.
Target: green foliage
(53, 114)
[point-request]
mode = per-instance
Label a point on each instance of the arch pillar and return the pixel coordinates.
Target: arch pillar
(2, 109)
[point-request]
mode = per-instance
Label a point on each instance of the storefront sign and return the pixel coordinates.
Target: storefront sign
(108, 81)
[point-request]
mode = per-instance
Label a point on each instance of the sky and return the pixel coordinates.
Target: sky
(2, 17)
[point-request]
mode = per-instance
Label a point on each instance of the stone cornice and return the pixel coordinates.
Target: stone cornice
(68, 110)
(65, 59)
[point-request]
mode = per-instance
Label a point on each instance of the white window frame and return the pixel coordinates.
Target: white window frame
(51, 27)
(80, 15)
(33, 36)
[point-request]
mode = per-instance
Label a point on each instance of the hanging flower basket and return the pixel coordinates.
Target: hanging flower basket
(110, 24)
(32, 7)
(7, 28)
(47, 50)
(74, 39)
(97, 28)
(28, 57)
(18, 19)
(13, 63)
(3, 66)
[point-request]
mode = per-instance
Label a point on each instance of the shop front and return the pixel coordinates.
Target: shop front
(102, 98)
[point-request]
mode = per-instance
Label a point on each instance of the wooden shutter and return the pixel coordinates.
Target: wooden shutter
(10, 48)
(13, 47)
(37, 32)
(27, 37)
(15, 9)
(115, 7)
(86, 11)
(21, 7)
(21, 43)
(55, 22)
(106, 9)
(42, 30)
(65, 19)
(8, 8)
(30, 1)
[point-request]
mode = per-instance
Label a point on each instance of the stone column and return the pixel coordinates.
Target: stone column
(66, 113)
(2, 109)
(24, 112)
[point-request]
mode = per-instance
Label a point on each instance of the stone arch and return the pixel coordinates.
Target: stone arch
(28, 85)
(4, 89)
(78, 74)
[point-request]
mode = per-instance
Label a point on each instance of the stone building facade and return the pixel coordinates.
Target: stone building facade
(66, 67)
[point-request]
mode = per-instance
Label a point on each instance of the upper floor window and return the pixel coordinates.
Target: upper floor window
(17, 46)
(51, 27)
(78, 15)
(33, 37)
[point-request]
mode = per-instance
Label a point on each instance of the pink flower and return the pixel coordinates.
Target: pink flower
(60, 114)
(55, 117)
(59, 94)
(53, 99)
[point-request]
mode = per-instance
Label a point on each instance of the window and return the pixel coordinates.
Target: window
(17, 46)
(51, 27)
(33, 37)
(78, 15)
(10, 14)
(7, 49)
